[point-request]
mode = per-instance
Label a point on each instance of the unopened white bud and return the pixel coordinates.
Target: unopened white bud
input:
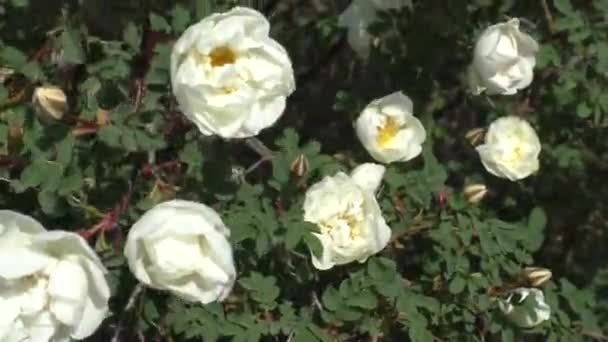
(474, 193)
(50, 102)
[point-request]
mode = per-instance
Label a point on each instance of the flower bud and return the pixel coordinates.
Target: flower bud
(50, 103)
(536, 276)
(5, 73)
(475, 136)
(474, 193)
(299, 167)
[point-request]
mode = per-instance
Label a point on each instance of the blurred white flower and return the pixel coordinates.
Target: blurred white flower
(357, 17)
(229, 77)
(504, 59)
(182, 247)
(511, 148)
(389, 131)
(525, 307)
(52, 284)
(345, 210)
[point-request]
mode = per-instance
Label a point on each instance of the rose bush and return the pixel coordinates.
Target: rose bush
(118, 120)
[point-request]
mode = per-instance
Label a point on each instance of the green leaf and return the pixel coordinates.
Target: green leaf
(457, 285)
(12, 57)
(263, 289)
(203, 8)
(304, 335)
(180, 18)
(72, 47)
(564, 6)
(159, 24)
(331, 299)
(583, 110)
(537, 219)
(363, 299)
(20, 3)
(110, 135)
(64, 150)
(132, 36)
(50, 203)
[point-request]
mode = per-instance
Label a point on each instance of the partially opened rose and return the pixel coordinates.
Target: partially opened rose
(228, 76)
(344, 208)
(525, 307)
(182, 247)
(504, 60)
(511, 148)
(52, 285)
(388, 129)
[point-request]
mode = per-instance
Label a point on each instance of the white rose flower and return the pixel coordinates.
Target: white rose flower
(504, 59)
(229, 77)
(357, 17)
(349, 218)
(182, 247)
(52, 284)
(511, 149)
(389, 131)
(525, 307)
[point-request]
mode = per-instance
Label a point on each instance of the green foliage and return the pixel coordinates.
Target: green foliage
(124, 146)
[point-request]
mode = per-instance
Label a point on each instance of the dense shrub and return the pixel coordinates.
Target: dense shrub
(92, 137)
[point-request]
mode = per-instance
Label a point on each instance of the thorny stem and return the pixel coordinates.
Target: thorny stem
(130, 304)
(259, 147)
(109, 220)
(416, 229)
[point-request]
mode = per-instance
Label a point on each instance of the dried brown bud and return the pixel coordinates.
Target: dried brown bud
(536, 276)
(299, 167)
(475, 136)
(50, 103)
(474, 193)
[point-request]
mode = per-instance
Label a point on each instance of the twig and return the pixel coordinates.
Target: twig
(412, 231)
(130, 304)
(259, 147)
(548, 16)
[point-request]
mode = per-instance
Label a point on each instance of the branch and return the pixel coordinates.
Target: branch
(548, 16)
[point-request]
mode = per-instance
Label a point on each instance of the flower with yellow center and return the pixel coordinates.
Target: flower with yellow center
(229, 77)
(511, 149)
(345, 210)
(389, 131)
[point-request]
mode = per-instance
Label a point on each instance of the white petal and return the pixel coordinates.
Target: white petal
(17, 263)
(96, 303)
(368, 176)
(68, 287)
(41, 328)
(59, 242)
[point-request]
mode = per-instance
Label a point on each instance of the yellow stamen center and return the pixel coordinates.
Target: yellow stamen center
(222, 55)
(352, 223)
(387, 131)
